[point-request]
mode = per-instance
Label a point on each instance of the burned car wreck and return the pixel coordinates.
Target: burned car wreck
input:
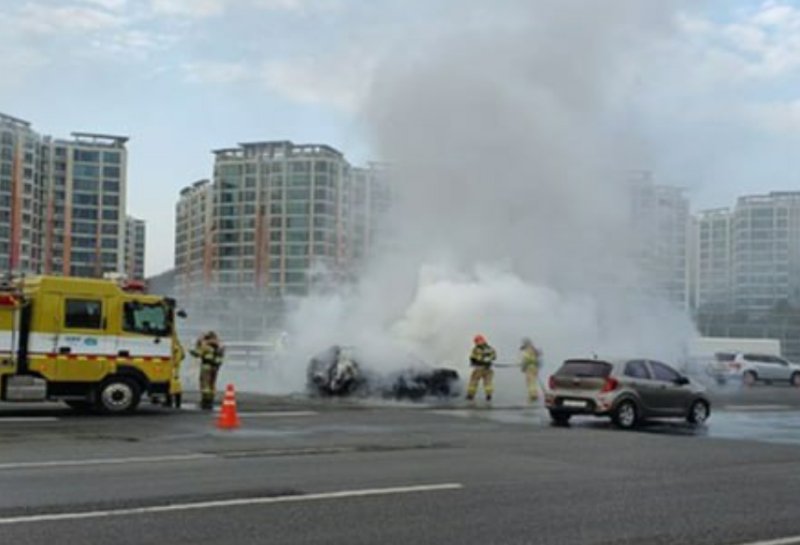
(338, 372)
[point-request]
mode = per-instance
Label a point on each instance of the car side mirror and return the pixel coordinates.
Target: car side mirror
(681, 381)
(181, 313)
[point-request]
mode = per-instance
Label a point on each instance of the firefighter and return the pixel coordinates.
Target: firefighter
(481, 360)
(529, 364)
(209, 350)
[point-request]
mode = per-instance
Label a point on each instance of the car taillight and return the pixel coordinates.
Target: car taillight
(551, 382)
(609, 385)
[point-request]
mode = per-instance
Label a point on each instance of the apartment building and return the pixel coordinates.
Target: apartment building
(749, 269)
(280, 218)
(371, 201)
(765, 235)
(135, 231)
(193, 239)
(714, 260)
(277, 220)
(84, 226)
(21, 197)
(62, 201)
(660, 223)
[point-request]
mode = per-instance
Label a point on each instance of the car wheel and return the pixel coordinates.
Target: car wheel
(625, 415)
(796, 379)
(749, 378)
(118, 395)
(559, 418)
(698, 412)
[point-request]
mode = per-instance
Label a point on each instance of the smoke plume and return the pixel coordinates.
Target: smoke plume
(511, 216)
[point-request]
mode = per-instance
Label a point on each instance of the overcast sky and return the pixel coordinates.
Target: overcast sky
(718, 109)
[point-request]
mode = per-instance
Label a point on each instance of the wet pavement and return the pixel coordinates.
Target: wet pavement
(765, 414)
(93, 479)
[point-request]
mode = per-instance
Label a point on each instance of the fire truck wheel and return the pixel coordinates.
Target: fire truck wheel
(118, 395)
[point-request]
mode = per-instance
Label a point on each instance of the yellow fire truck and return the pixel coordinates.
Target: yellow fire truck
(97, 345)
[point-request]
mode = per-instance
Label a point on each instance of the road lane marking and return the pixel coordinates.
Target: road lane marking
(232, 503)
(106, 461)
(191, 407)
(782, 541)
(277, 414)
(27, 419)
(756, 407)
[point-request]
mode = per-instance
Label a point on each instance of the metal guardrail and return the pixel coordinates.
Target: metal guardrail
(250, 355)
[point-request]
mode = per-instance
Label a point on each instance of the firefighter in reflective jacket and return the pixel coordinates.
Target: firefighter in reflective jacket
(481, 360)
(209, 350)
(529, 363)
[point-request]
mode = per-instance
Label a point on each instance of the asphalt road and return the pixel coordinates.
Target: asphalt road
(305, 472)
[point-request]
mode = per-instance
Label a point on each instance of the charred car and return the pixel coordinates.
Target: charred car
(335, 372)
(339, 372)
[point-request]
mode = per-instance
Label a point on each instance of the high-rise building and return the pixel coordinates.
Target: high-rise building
(84, 228)
(371, 199)
(193, 240)
(749, 257)
(62, 202)
(278, 219)
(135, 231)
(21, 194)
(714, 260)
(765, 235)
(660, 223)
(749, 270)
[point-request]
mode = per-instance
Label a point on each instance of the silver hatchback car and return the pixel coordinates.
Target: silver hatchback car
(627, 390)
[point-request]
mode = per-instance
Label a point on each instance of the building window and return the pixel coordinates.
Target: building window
(90, 171)
(86, 156)
(85, 184)
(111, 157)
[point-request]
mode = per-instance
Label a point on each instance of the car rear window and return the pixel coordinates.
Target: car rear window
(584, 368)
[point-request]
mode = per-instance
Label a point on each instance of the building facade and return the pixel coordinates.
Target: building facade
(749, 270)
(766, 251)
(275, 221)
(749, 257)
(84, 227)
(135, 231)
(278, 220)
(62, 202)
(660, 222)
(21, 197)
(193, 240)
(371, 202)
(714, 260)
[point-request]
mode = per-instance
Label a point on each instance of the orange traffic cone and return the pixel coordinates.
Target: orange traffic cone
(228, 417)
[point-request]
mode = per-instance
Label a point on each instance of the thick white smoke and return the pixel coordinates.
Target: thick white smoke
(511, 216)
